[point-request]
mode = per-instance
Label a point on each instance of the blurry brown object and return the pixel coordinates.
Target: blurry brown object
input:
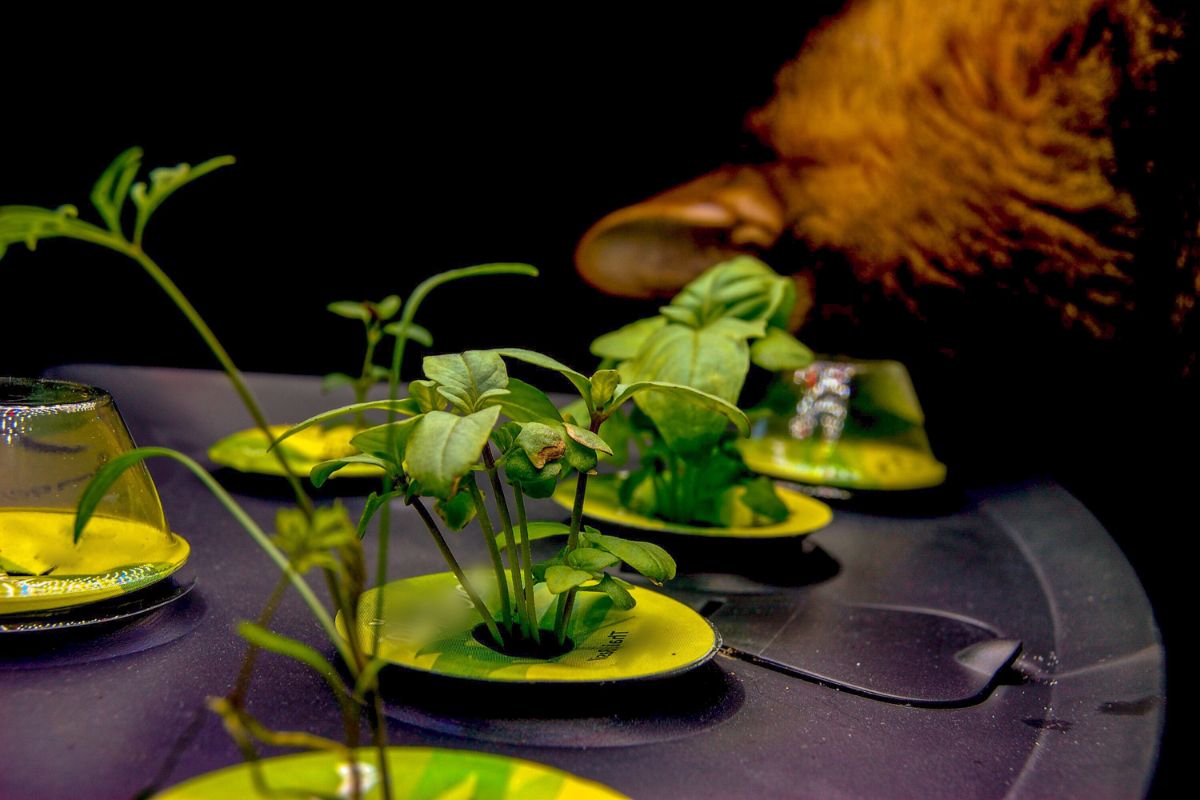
(938, 147)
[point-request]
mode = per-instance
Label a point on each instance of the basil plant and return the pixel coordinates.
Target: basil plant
(689, 470)
(466, 431)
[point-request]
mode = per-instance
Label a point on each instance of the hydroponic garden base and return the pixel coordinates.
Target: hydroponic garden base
(1078, 714)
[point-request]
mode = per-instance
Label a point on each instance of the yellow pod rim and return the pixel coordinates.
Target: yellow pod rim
(417, 773)
(805, 514)
(246, 451)
(848, 463)
(428, 626)
(91, 575)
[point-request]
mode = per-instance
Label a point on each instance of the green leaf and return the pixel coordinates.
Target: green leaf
(321, 472)
(103, 479)
(541, 443)
(28, 225)
(350, 309)
(426, 395)
(387, 441)
(375, 501)
(706, 361)
(387, 308)
(284, 646)
(444, 447)
(620, 596)
(410, 330)
(525, 403)
(624, 343)
(681, 316)
(580, 457)
(560, 578)
(686, 394)
(590, 559)
(586, 438)
(578, 380)
(737, 329)
(110, 191)
(335, 379)
(743, 287)
(505, 436)
(535, 482)
(406, 405)
(458, 511)
(164, 182)
(469, 380)
(647, 558)
(779, 350)
(761, 498)
(604, 386)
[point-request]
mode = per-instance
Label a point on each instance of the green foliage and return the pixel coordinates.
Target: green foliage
(525, 403)
(164, 182)
(624, 343)
(778, 350)
(458, 511)
(705, 340)
(312, 541)
(443, 447)
(541, 443)
(560, 578)
(406, 405)
(470, 381)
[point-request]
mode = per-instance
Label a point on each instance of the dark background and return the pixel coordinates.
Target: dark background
(373, 152)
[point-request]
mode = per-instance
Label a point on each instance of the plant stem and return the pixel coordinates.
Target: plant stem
(489, 538)
(235, 376)
(566, 601)
(452, 562)
(526, 557)
(379, 725)
(263, 541)
(510, 544)
(246, 672)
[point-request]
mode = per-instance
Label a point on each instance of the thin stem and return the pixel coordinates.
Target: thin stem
(246, 672)
(422, 291)
(510, 543)
(365, 379)
(379, 726)
(235, 376)
(527, 563)
(381, 568)
(263, 541)
(489, 538)
(480, 608)
(567, 600)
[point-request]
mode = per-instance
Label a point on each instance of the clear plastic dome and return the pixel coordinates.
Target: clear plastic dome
(54, 436)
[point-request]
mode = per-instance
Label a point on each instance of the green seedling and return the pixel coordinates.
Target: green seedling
(322, 540)
(117, 196)
(453, 434)
(373, 316)
(307, 538)
(689, 470)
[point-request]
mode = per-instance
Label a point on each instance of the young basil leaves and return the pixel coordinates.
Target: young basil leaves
(731, 316)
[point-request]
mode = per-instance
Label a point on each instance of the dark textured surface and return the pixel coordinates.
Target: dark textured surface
(1079, 716)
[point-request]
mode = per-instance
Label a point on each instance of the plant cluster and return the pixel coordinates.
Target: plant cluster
(733, 315)
(465, 431)
(453, 431)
